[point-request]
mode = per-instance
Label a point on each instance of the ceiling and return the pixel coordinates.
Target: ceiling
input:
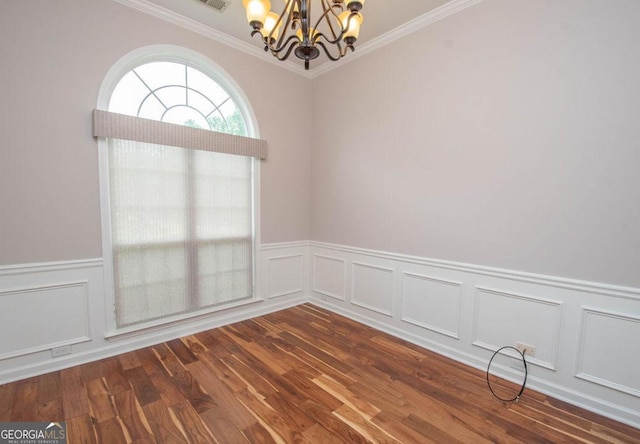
(381, 18)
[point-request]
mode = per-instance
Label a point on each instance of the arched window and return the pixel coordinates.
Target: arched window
(181, 219)
(177, 93)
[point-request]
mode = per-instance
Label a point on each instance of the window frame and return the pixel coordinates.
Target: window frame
(177, 54)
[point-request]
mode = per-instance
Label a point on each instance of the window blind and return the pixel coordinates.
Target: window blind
(120, 126)
(181, 216)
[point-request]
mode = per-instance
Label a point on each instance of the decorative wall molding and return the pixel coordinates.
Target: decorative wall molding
(401, 31)
(596, 288)
(155, 10)
(42, 267)
(517, 318)
(499, 307)
(573, 324)
(56, 315)
(604, 349)
(323, 275)
(190, 24)
(289, 273)
(419, 310)
(372, 287)
(285, 275)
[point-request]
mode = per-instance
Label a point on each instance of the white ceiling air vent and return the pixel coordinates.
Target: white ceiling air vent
(218, 5)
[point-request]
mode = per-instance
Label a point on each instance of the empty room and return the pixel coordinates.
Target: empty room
(320, 221)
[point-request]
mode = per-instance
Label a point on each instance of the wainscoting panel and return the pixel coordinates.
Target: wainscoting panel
(372, 287)
(285, 275)
(587, 357)
(432, 303)
(609, 354)
(585, 333)
(47, 305)
(502, 318)
(329, 276)
(55, 315)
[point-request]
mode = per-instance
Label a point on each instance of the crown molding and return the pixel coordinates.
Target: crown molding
(449, 8)
(155, 10)
(403, 30)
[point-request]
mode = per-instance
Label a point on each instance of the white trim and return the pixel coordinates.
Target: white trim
(282, 245)
(414, 25)
(452, 334)
(563, 385)
(580, 373)
(314, 287)
(85, 337)
(554, 372)
(401, 31)
(352, 298)
(551, 365)
(546, 280)
(183, 318)
(173, 17)
(43, 267)
(137, 342)
(272, 259)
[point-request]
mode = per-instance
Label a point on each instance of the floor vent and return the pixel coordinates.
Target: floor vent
(218, 5)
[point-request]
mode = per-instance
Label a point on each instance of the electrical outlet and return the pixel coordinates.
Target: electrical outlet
(61, 351)
(526, 349)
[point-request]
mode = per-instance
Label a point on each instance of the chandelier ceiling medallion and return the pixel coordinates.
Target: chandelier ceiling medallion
(335, 29)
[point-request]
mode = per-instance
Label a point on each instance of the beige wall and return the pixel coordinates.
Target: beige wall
(54, 56)
(506, 135)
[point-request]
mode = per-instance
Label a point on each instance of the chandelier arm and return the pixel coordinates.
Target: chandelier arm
(288, 11)
(337, 42)
(330, 10)
(326, 9)
(290, 42)
(331, 56)
(288, 52)
(338, 38)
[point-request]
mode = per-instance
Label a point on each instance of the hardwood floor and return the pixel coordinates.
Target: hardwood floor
(298, 375)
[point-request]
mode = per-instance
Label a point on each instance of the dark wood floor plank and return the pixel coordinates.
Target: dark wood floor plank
(80, 430)
(163, 423)
(146, 392)
(222, 396)
(132, 416)
(183, 353)
(100, 401)
(111, 430)
(301, 375)
(129, 361)
(273, 421)
(25, 400)
(6, 401)
(75, 402)
(363, 425)
(114, 376)
(222, 425)
(92, 370)
(258, 434)
(346, 396)
(50, 411)
(49, 387)
(192, 424)
(332, 423)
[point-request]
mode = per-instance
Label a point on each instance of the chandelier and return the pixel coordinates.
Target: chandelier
(335, 29)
